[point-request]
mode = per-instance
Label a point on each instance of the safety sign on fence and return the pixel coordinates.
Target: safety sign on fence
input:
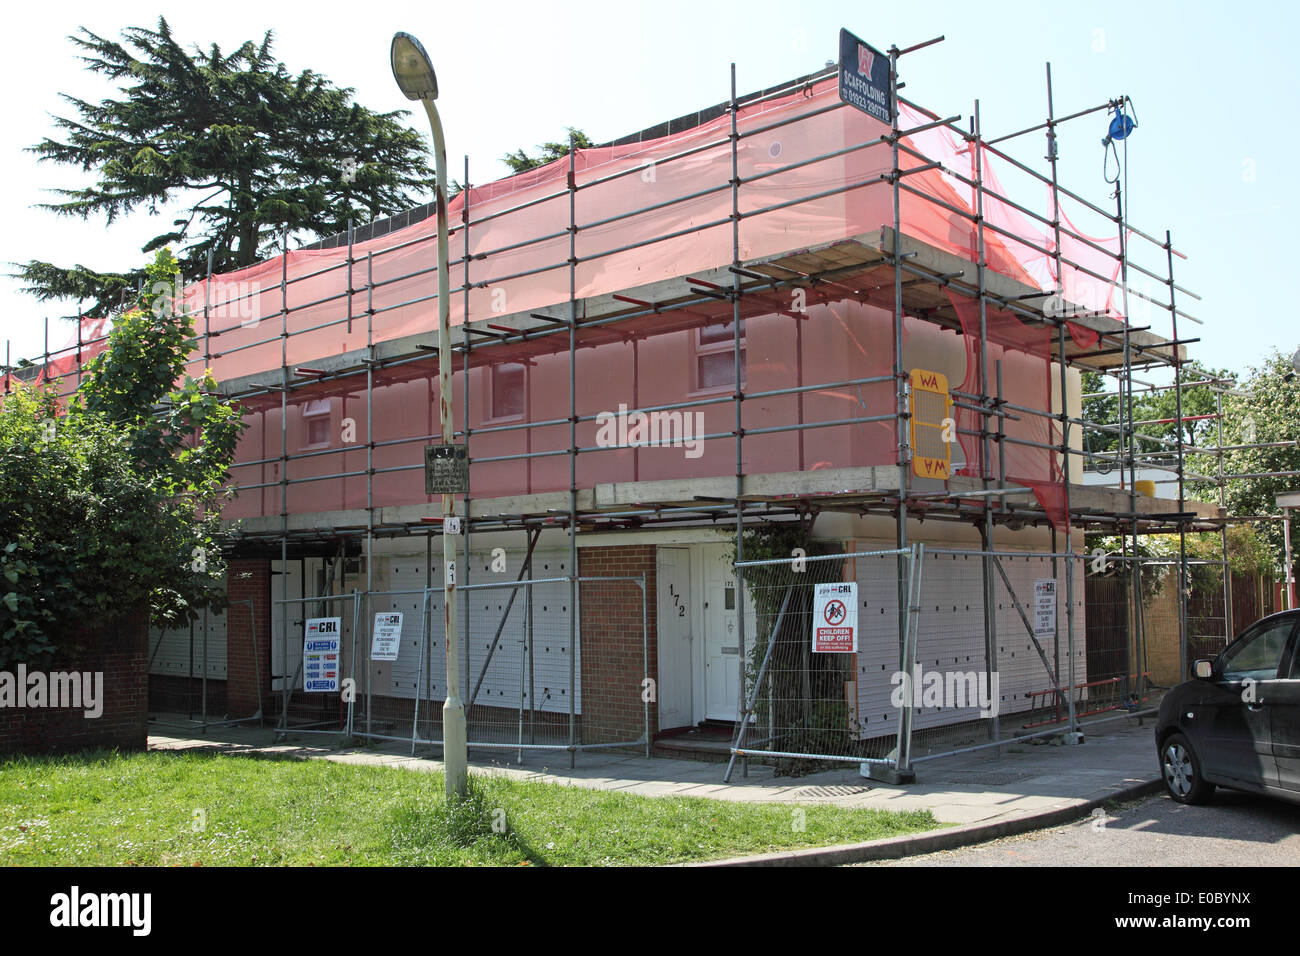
(1044, 607)
(320, 654)
(835, 618)
(387, 636)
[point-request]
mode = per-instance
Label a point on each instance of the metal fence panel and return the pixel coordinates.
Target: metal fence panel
(301, 711)
(803, 704)
(525, 681)
(993, 647)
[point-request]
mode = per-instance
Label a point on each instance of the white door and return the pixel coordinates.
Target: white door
(721, 637)
(285, 662)
(676, 677)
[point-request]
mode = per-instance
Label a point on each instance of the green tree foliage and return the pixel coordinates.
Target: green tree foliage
(519, 161)
(112, 503)
(1102, 408)
(1266, 408)
(1154, 407)
(1248, 555)
(250, 149)
(1261, 407)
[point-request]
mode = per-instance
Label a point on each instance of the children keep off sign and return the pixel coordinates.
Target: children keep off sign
(835, 618)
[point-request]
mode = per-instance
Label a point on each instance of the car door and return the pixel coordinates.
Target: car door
(1284, 720)
(1232, 716)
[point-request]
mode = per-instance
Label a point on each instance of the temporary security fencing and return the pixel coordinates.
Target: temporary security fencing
(893, 658)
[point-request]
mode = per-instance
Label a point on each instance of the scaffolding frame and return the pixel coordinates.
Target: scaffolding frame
(990, 507)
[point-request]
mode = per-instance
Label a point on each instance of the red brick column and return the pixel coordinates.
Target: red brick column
(248, 579)
(610, 635)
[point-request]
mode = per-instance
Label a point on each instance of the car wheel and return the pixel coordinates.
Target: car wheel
(1181, 769)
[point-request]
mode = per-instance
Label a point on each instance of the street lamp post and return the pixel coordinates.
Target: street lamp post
(414, 74)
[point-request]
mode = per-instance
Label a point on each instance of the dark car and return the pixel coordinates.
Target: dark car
(1237, 724)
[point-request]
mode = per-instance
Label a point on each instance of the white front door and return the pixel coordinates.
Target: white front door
(721, 636)
(286, 646)
(676, 615)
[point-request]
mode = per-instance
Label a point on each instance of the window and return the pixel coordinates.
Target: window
(509, 390)
(715, 357)
(316, 422)
(1258, 655)
(1295, 663)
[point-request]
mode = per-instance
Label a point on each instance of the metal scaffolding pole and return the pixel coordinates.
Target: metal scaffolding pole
(987, 528)
(1223, 529)
(465, 390)
(739, 395)
(1183, 577)
(1052, 156)
(370, 469)
(573, 446)
(1128, 437)
(284, 478)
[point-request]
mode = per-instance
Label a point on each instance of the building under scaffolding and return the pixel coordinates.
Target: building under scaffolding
(778, 312)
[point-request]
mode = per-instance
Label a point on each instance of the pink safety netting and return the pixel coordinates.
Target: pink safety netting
(65, 363)
(685, 228)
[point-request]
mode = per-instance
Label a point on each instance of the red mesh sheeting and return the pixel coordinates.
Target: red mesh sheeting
(837, 340)
(655, 358)
(1023, 352)
(954, 231)
(66, 361)
(692, 232)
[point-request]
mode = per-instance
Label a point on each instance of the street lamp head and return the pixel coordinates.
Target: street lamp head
(412, 68)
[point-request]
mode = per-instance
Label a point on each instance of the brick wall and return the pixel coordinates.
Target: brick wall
(120, 650)
(248, 579)
(612, 656)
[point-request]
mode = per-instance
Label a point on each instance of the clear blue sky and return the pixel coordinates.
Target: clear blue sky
(1215, 86)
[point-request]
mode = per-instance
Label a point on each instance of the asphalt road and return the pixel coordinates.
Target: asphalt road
(1236, 829)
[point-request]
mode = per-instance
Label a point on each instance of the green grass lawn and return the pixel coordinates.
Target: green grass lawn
(166, 808)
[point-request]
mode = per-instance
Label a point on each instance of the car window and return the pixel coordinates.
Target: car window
(1258, 655)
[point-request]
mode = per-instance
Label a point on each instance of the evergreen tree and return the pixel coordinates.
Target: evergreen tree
(519, 161)
(250, 149)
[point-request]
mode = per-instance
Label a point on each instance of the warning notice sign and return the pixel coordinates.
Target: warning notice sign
(1044, 607)
(320, 654)
(835, 618)
(387, 638)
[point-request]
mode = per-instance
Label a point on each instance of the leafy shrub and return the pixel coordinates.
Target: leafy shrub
(111, 502)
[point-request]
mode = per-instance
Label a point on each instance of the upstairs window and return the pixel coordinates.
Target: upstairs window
(509, 390)
(316, 422)
(715, 357)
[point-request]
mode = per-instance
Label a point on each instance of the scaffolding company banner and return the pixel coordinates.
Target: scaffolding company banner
(320, 654)
(835, 618)
(1044, 607)
(387, 636)
(864, 77)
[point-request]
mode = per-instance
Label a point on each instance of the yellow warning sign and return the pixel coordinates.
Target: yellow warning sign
(933, 429)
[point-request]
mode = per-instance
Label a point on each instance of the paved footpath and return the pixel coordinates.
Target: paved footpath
(980, 795)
